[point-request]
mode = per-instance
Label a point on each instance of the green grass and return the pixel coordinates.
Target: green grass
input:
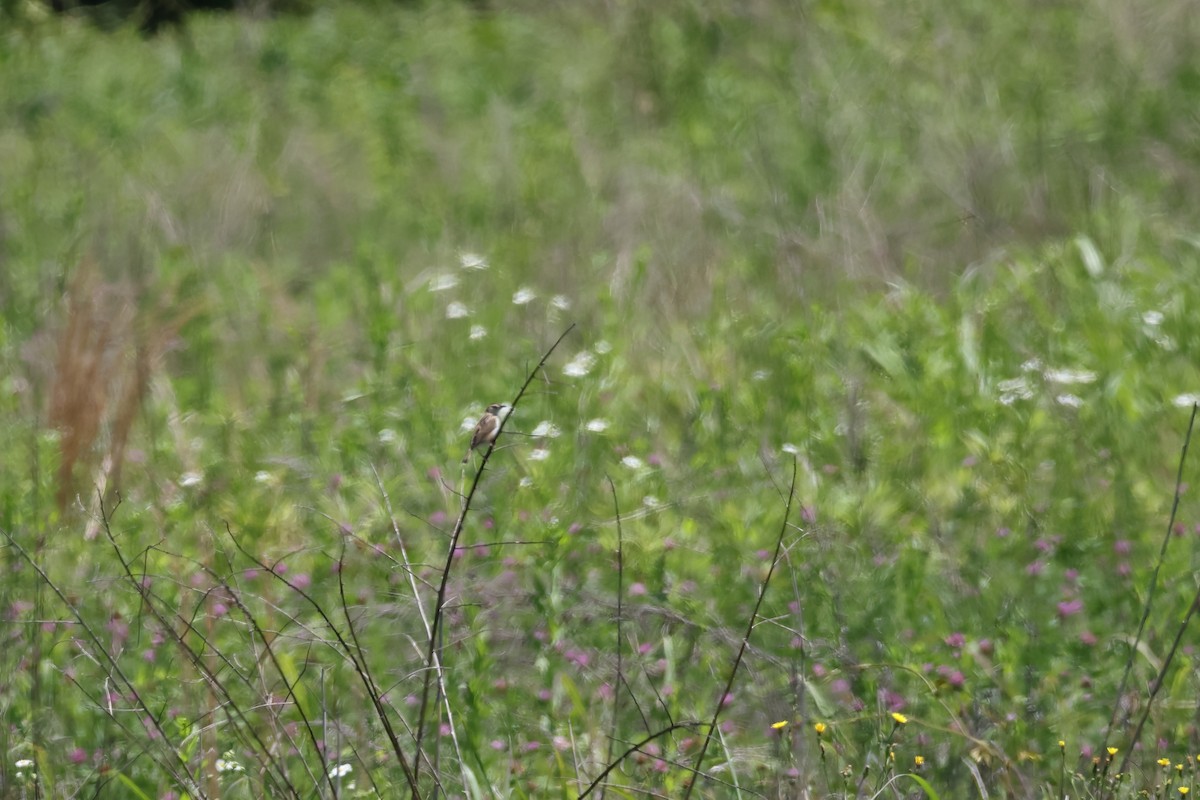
(945, 257)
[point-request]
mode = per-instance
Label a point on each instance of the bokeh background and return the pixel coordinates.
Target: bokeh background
(260, 270)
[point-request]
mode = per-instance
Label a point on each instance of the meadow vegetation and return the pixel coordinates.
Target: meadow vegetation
(259, 277)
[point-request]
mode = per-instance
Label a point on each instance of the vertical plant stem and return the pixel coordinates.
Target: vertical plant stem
(1162, 556)
(433, 657)
(619, 681)
(737, 662)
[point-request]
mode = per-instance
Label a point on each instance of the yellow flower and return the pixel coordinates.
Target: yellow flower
(919, 761)
(781, 724)
(1062, 745)
(820, 728)
(900, 718)
(1164, 762)
(1112, 751)
(1183, 790)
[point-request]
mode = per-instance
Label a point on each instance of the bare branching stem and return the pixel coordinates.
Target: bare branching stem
(620, 678)
(737, 662)
(433, 661)
(1162, 673)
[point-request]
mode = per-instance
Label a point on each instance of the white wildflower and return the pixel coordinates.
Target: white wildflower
(1186, 400)
(388, 436)
(1069, 375)
(633, 462)
(457, 310)
(597, 425)
(524, 295)
(650, 501)
(1013, 390)
(478, 331)
(580, 365)
(540, 454)
(472, 261)
(227, 764)
(547, 428)
(262, 476)
(440, 283)
(340, 770)
(788, 447)
(190, 479)
(603, 347)
(1067, 399)
(1153, 318)
(561, 302)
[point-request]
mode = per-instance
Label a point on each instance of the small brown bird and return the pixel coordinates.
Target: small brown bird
(488, 427)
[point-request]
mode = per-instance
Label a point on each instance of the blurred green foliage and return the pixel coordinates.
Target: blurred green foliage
(943, 255)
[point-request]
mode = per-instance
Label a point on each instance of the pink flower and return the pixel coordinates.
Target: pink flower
(1069, 608)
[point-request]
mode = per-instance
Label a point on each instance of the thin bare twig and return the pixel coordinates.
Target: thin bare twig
(737, 662)
(176, 766)
(410, 775)
(432, 663)
(1162, 555)
(259, 748)
(634, 748)
(620, 680)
